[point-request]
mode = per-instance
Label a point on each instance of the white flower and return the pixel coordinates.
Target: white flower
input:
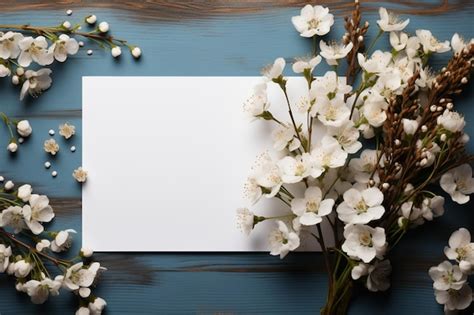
(447, 276)
(282, 240)
(42, 245)
(24, 128)
(24, 192)
(252, 190)
(78, 277)
(13, 217)
(451, 121)
(361, 207)
(258, 103)
(311, 208)
(389, 83)
(389, 22)
(80, 175)
(34, 49)
(97, 306)
(39, 291)
(22, 268)
(377, 63)
(313, 21)
(398, 40)
(274, 71)
(4, 71)
(103, 27)
(455, 299)
(116, 51)
(334, 51)
(333, 112)
(36, 82)
(9, 45)
(245, 220)
(330, 86)
(136, 52)
(432, 207)
(364, 242)
(458, 183)
(430, 43)
(282, 135)
(378, 273)
(461, 249)
(347, 136)
(374, 110)
(12, 147)
(267, 175)
(64, 46)
(359, 270)
(409, 126)
(51, 146)
(5, 254)
(9, 185)
(62, 241)
(293, 170)
(306, 64)
(38, 211)
(458, 43)
(329, 153)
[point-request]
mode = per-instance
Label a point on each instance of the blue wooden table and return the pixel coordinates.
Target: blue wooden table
(209, 39)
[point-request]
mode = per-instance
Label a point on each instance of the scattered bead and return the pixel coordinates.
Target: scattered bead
(91, 19)
(51, 132)
(69, 12)
(89, 52)
(21, 140)
(67, 24)
(54, 173)
(47, 164)
(81, 44)
(73, 149)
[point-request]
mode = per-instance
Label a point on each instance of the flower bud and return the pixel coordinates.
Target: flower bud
(116, 51)
(24, 128)
(15, 80)
(136, 52)
(67, 24)
(443, 137)
(9, 185)
(91, 19)
(464, 80)
(20, 71)
(402, 222)
(69, 12)
(24, 192)
(86, 252)
(104, 27)
(12, 147)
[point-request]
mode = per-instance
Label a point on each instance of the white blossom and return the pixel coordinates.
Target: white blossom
(398, 40)
(267, 175)
(12, 147)
(38, 211)
(334, 112)
(364, 242)
(258, 103)
(447, 276)
(374, 110)
(36, 82)
(409, 126)
(282, 240)
(430, 43)
(116, 51)
(62, 241)
(313, 21)
(347, 136)
(23, 128)
(51, 146)
(103, 27)
(458, 43)
(78, 277)
(389, 22)
(432, 207)
(4, 71)
(63, 47)
(91, 19)
(329, 153)
(9, 47)
(41, 245)
(97, 306)
(330, 86)
(245, 220)
(334, 51)
(458, 183)
(24, 192)
(22, 268)
(39, 291)
(378, 276)
(303, 64)
(293, 170)
(377, 63)
(136, 52)
(34, 49)
(13, 217)
(361, 207)
(311, 208)
(461, 249)
(5, 254)
(451, 121)
(275, 70)
(455, 299)
(282, 136)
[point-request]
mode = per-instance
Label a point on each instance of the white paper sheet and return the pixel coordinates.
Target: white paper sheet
(167, 159)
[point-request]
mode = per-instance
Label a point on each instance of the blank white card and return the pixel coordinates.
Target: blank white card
(167, 159)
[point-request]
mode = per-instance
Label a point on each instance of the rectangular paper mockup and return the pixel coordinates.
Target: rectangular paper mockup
(167, 159)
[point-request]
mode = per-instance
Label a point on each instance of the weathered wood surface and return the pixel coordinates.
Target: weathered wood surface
(209, 38)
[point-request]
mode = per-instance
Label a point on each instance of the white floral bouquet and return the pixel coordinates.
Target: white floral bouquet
(366, 198)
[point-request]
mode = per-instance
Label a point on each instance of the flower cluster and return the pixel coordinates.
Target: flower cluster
(22, 46)
(450, 281)
(28, 251)
(321, 174)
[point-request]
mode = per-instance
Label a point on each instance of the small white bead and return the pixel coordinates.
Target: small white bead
(424, 128)
(81, 44)
(21, 140)
(47, 164)
(51, 132)
(73, 149)
(91, 19)
(69, 12)
(89, 52)
(54, 173)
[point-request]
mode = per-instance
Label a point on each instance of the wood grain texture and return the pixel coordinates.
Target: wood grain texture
(203, 38)
(179, 10)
